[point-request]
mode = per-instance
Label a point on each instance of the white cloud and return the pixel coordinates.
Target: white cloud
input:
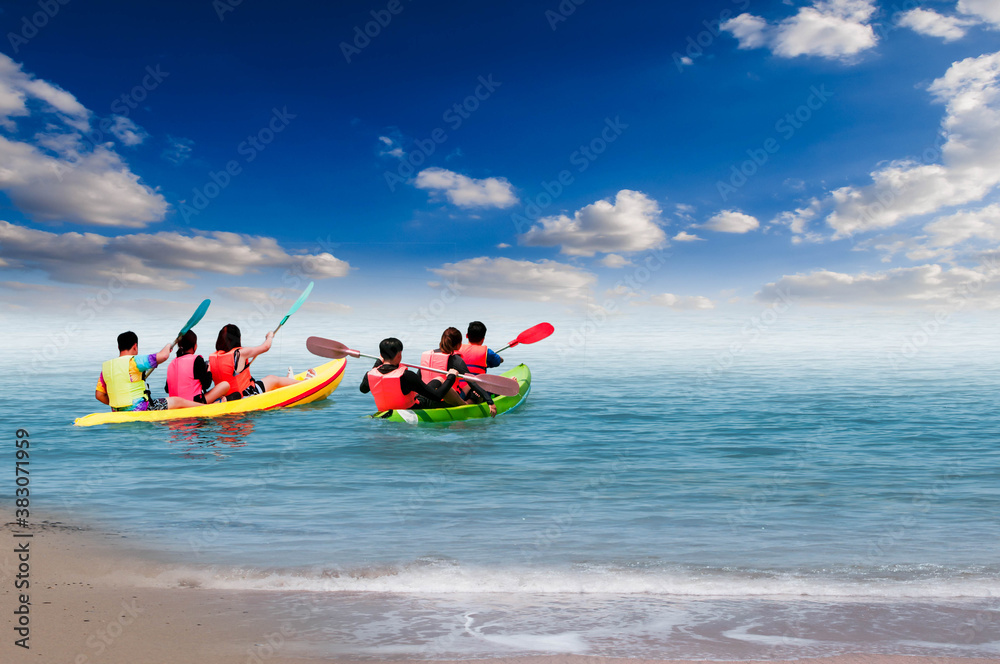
(178, 149)
(915, 286)
(684, 236)
(833, 29)
(684, 212)
(504, 278)
(464, 191)
(251, 294)
(20, 286)
(160, 261)
(390, 147)
(19, 90)
(127, 131)
(279, 296)
(965, 168)
(678, 302)
(503, 245)
(614, 261)
(95, 187)
(731, 221)
(751, 31)
(986, 10)
(930, 23)
(54, 176)
(629, 224)
(983, 224)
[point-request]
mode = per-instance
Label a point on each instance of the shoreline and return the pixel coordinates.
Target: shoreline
(86, 607)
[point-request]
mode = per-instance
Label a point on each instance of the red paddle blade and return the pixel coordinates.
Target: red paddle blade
(501, 385)
(329, 348)
(533, 334)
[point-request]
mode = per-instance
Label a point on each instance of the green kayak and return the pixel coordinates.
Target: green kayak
(458, 413)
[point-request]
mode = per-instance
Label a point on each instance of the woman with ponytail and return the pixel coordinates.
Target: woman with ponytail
(188, 375)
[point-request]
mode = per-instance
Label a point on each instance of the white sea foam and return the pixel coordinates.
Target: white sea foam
(444, 579)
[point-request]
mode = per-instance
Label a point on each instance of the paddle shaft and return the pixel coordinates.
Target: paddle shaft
(501, 385)
(295, 307)
(416, 366)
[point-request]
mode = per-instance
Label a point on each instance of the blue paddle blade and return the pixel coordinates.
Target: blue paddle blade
(298, 302)
(196, 318)
(295, 307)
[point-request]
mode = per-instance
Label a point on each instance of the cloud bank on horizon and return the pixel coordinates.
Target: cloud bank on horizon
(518, 202)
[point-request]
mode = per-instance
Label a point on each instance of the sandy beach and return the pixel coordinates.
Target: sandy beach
(88, 603)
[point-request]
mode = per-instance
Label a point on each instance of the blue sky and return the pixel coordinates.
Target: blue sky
(425, 152)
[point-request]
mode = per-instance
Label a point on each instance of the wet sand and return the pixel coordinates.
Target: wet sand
(88, 605)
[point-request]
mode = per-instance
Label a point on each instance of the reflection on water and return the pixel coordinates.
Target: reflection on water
(200, 438)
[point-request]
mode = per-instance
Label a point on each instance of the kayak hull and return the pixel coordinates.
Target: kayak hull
(328, 377)
(461, 413)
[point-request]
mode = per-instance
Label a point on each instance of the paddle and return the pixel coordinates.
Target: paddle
(335, 350)
(295, 307)
(531, 335)
(199, 313)
(194, 320)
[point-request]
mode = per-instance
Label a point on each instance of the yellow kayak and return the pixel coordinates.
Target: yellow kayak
(326, 380)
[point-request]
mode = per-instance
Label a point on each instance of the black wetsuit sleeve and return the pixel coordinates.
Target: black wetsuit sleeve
(458, 364)
(202, 373)
(410, 382)
(364, 381)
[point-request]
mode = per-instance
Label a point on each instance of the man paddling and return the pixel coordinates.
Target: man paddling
(122, 384)
(477, 356)
(395, 388)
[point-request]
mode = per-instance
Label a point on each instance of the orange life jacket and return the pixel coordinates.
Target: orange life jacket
(388, 392)
(223, 368)
(180, 377)
(474, 356)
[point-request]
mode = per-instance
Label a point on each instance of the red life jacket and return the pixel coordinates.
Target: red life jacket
(223, 368)
(387, 391)
(180, 377)
(474, 356)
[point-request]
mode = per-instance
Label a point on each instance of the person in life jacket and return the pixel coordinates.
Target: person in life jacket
(122, 384)
(395, 388)
(445, 357)
(477, 356)
(188, 375)
(231, 361)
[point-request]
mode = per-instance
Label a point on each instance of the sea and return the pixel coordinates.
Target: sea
(676, 485)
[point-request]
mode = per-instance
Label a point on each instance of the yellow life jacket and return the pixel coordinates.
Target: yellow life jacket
(122, 390)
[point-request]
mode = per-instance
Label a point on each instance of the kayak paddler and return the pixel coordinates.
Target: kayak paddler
(395, 388)
(188, 375)
(230, 363)
(477, 356)
(122, 384)
(446, 356)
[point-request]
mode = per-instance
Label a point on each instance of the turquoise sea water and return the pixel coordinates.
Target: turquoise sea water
(673, 487)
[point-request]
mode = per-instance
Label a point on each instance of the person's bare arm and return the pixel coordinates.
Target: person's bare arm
(250, 353)
(164, 354)
(102, 397)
